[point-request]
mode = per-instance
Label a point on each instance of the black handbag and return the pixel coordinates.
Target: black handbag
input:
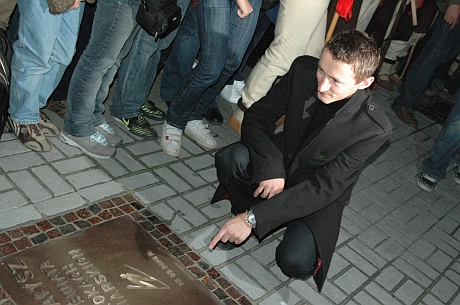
(159, 17)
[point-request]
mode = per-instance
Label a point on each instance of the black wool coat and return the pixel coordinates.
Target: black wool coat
(320, 170)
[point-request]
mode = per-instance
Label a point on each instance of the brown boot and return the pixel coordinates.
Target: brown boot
(385, 84)
(406, 116)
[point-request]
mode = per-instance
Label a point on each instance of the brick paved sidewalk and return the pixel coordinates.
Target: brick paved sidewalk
(398, 244)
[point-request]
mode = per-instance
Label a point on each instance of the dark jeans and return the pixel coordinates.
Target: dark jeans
(447, 146)
(223, 37)
(296, 255)
(60, 93)
(263, 23)
(442, 47)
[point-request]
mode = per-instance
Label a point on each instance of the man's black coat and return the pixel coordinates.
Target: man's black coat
(320, 170)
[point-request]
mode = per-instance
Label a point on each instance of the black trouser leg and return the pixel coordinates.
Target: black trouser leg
(296, 254)
(232, 170)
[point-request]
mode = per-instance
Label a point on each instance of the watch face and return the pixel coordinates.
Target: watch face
(251, 219)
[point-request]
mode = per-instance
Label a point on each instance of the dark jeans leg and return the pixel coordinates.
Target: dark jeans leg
(453, 83)
(232, 171)
(60, 93)
(296, 254)
(263, 23)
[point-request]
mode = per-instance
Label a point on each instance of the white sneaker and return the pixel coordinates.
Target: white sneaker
(170, 140)
(231, 93)
(239, 85)
(199, 131)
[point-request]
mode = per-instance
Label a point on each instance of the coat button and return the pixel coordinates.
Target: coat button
(370, 107)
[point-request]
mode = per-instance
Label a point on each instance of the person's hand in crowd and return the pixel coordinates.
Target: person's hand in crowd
(75, 5)
(244, 8)
(452, 15)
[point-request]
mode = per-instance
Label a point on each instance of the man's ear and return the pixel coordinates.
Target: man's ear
(366, 83)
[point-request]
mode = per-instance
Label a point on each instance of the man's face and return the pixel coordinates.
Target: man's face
(336, 80)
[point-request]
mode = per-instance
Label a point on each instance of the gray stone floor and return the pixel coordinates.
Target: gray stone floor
(398, 244)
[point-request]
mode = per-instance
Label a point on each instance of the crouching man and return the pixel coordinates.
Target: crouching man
(302, 177)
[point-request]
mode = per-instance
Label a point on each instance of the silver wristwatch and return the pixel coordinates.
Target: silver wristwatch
(251, 219)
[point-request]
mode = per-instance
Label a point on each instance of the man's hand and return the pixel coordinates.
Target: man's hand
(452, 15)
(75, 5)
(269, 188)
(244, 8)
(235, 230)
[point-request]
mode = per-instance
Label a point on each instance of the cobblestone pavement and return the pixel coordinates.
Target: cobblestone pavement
(398, 244)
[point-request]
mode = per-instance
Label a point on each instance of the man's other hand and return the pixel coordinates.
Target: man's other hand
(269, 188)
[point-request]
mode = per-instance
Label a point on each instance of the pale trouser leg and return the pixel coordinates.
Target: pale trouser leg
(399, 48)
(300, 30)
(366, 12)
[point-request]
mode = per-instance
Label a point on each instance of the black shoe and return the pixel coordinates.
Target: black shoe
(138, 126)
(214, 117)
(152, 112)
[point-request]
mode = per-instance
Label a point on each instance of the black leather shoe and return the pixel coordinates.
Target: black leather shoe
(214, 117)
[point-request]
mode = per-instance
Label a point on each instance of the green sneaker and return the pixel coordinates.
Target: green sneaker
(138, 126)
(152, 112)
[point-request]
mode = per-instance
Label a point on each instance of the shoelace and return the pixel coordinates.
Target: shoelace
(426, 177)
(107, 128)
(141, 120)
(35, 129)
(99, 138)
(43, 117)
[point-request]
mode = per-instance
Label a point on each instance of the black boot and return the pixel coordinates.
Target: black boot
(214, 117)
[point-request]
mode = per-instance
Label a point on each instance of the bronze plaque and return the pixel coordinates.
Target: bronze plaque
(114, 263)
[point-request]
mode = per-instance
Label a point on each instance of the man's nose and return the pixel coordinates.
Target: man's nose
(323, 85)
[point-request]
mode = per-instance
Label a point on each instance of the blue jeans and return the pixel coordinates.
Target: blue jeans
(114, 29)
(140, 67)
(263, 23)
(222, 39)
(442, 47)
(447, 146)
(44, 49)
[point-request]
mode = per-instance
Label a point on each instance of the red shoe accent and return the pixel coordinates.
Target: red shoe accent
(318, 266)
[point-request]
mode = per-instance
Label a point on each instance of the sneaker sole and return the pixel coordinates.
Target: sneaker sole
(68, 141)
(424, 187)
(204, 144)
(168, 152)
